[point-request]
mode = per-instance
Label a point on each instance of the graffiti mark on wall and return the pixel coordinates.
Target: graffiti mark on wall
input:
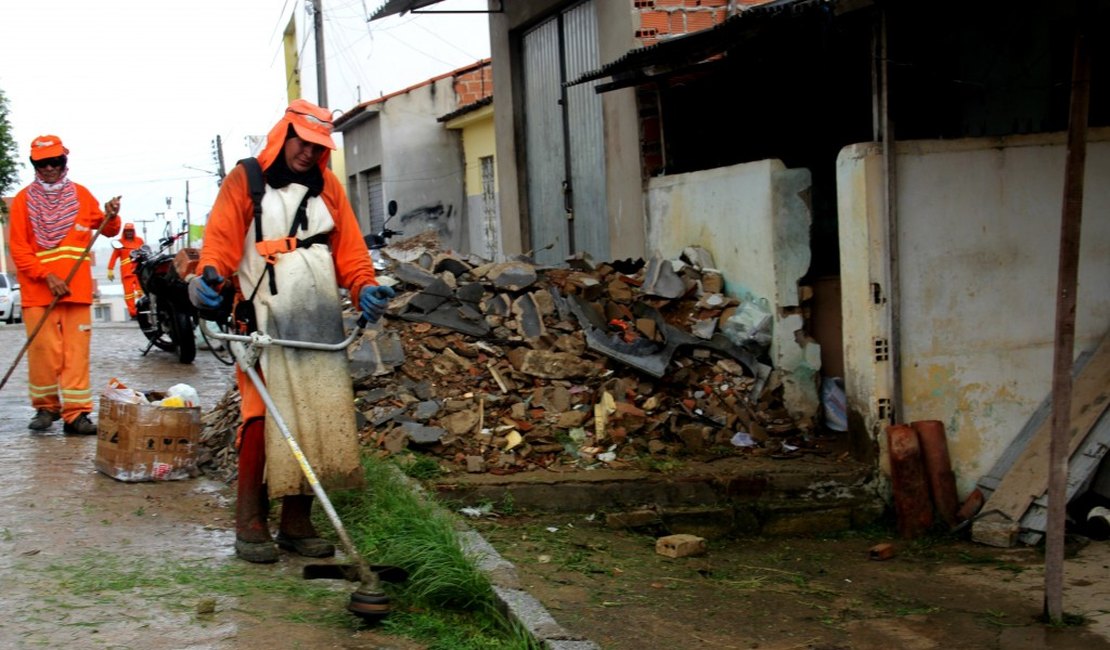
(433, 214)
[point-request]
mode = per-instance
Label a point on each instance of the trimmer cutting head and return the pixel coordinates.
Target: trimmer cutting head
(367, 602)
(369, 606)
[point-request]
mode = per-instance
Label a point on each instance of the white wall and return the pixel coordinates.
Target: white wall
(978, 224)
(754, 218)
(422, 163)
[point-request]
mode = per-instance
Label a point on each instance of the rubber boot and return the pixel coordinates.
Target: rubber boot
(252, 534)
(296, 532)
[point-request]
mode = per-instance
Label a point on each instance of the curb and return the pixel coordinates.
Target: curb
(517, 604)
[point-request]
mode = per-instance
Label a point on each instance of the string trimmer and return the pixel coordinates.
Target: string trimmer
(368, 601)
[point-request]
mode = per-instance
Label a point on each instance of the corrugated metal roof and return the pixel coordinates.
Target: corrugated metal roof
(469, 108)
(393, 7)
(691, 49)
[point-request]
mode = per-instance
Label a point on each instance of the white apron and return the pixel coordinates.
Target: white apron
(311, 388)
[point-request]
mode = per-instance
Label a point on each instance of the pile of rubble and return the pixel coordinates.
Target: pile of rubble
(503, 367)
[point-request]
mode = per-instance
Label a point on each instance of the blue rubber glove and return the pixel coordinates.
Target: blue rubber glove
(373, 301)
(204, 295)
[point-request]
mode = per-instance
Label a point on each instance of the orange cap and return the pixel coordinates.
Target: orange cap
(312, 123)
(128, 226)
(49, 146)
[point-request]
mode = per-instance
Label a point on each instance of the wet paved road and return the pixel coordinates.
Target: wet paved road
(64, 526)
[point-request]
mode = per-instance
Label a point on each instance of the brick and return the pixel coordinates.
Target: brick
(680, 545)
(881, 552)
(698, 20)
(656, 20)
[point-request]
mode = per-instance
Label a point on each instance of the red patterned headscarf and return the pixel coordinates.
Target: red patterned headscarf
(52, 209)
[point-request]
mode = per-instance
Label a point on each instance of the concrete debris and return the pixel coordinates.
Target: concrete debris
(506, 367)
(697, 257)
(511, 276)
(661, 280)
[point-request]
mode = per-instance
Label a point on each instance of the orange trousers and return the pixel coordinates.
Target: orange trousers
(131, 291)
(58, 359)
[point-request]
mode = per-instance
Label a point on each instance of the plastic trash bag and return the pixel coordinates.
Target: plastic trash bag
(834, 403)
(751, 324)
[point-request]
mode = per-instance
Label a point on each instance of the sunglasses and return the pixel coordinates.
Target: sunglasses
(56, 161)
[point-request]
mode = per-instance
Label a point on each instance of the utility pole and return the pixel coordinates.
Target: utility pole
(218, 155)
(188, 219)
(321, 74)
(144, 222)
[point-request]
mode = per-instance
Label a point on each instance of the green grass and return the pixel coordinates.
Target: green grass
(446, 600)
(421, 468)
(446, 603)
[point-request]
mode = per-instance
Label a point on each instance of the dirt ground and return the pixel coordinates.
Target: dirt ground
(815, 593)
(90, 562)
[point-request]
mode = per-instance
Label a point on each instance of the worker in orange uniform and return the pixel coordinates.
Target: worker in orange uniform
(53, 221)
(293, 293)
(128, 242)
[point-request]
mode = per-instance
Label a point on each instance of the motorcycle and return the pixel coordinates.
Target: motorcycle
(165, 315)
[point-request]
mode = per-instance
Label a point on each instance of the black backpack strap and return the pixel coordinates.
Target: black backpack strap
(257, 184)
(256, 181)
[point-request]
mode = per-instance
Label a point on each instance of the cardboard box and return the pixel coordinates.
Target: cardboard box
(141, 442)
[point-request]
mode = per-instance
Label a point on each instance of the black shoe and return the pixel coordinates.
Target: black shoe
(43, 419)
(257, 552)
(306, 546)
(81, 426)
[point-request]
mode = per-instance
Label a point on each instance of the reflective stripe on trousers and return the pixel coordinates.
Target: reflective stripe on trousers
(58, 359)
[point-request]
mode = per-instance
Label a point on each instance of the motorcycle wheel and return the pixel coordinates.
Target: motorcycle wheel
(186, 340)
(150, 327)
(219, 349)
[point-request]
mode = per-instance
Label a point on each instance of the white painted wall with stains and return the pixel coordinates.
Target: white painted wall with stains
(978, 223)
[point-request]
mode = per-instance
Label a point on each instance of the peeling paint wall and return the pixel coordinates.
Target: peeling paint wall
(754, 218)
(978, 224)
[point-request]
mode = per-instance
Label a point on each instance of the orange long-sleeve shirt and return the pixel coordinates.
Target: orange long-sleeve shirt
(33, 263)
(123, 254)
(233, 214)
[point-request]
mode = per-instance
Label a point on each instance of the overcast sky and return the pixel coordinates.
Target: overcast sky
(139, 89)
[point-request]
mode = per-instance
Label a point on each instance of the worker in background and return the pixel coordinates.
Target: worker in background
(127, 242)
(290, 292)
(53, 221)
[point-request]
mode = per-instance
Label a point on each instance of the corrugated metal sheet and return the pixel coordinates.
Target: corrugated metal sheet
(394, 7)
(585, 134)
(690, 49)
(544, 150)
